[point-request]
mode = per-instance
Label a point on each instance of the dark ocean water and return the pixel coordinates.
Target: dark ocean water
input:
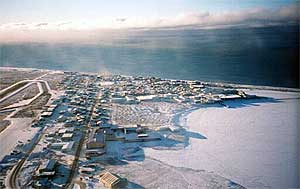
(258, 56)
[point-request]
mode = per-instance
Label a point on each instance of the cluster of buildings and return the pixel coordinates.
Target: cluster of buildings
(64, 123)
(131, 90)
(79, 122)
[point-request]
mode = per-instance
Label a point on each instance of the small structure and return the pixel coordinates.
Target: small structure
(70, 130)
(104, 124)
(147, 98)
(118, 100)
(68, 147)
(51, 134)
(56, 145)
(49, 139)
(62, 132)
(61, 118)
(47, 168)
(46, 114)
(110, 180)
(96, 140)
(143, 137)
(131, 100)
(67, 137)
(109, 134)
(94, 153)
(230, 97)
(140, 129)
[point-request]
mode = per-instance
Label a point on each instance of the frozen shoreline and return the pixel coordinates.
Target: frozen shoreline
(253, 143)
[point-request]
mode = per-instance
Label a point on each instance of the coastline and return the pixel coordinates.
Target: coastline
(208, 83)
(252, 143)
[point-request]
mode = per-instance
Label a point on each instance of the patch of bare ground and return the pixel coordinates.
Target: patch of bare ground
(3, 123)
(25, 94)
(3, 115)
(10, 90)
(36, 105)
(11, 76)
(54, 80)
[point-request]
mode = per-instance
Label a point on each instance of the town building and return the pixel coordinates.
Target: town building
(110, 180)
(96, 139)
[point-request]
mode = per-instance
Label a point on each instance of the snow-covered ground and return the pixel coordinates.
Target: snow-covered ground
(253, 142)
(19, 130)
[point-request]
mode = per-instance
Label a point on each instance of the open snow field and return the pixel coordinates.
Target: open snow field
(253, 142)
(19, 130)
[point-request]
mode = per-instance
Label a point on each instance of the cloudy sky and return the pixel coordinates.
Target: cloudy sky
(19, 19)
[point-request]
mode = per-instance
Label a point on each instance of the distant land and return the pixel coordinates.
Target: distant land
(266, 56)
